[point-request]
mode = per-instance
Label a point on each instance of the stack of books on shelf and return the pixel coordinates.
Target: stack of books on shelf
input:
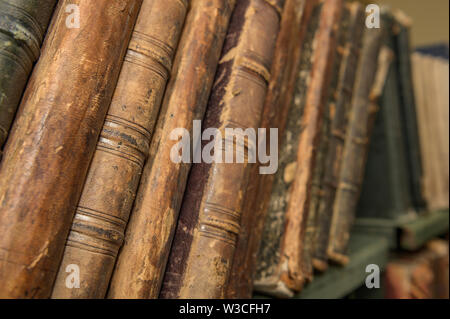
(209, 149)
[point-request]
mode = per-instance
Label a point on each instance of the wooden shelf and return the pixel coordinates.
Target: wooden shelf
(415, 234)
(338, 281)
(370, 243)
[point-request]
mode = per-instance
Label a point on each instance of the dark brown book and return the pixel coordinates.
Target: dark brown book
(293, 25)
(370, 80)
(279, 270)
(312, 223)
(142, 260)
(113, 177)
(209, 223)
(340, 102)
(23, 24)
(53, 139)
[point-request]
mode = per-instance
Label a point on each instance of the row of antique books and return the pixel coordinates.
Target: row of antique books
(103, 189)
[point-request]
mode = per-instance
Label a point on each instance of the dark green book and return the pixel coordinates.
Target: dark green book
(386, 191)
(23, 24)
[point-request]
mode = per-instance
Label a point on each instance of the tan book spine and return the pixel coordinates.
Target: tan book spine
(53, 139)
(142, 260)
(111, 184)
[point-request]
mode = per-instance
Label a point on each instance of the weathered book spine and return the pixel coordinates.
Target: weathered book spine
(110, 188)
(340, 109)
(387, 152)
(370, 79)
(312, 222)
(209, 223)
(51, 145)
(23, 24)
(267, 273)
(142, 260)
(408, 108)
(281, 251)
(294, 21)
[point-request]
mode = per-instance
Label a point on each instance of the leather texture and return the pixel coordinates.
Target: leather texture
(53, 140)
(110, 189)
(23, 24)
(294, 22)
(142, 260)
(209, 223)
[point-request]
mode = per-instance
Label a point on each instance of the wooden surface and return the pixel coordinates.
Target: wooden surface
(338, 281)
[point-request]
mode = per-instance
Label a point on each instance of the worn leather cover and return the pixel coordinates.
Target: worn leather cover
(370, 80)
(53, 139)
(279, 270)
(340, 103)
(23, 24)
(317, 187)
(419, 275)
(142, 260)
(294, 22)
(209, 223)
(387, 195)
(402, 26)
(110, 188)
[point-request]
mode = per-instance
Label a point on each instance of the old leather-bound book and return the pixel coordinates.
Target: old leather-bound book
(370, 80)
(53, 139)
(209, 223)
(312, 223)
(142, 260)
(112, 180)
(294, 21)
(340, 101)
(387, 195)
(408, 107)
(23, 24)
(279, 266)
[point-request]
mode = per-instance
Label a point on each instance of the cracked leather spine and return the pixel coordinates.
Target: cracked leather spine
(200, 261)
(53, 140)
(106, 201)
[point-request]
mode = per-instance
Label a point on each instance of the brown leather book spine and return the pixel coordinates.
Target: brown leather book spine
(297, 211)
(340, 108)
(53, 139)
(312, 223)
(294, 20)
(205, 240)
(267, 275)
(142, 260)
(369, 84)
(111, 184)
(23, 24)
